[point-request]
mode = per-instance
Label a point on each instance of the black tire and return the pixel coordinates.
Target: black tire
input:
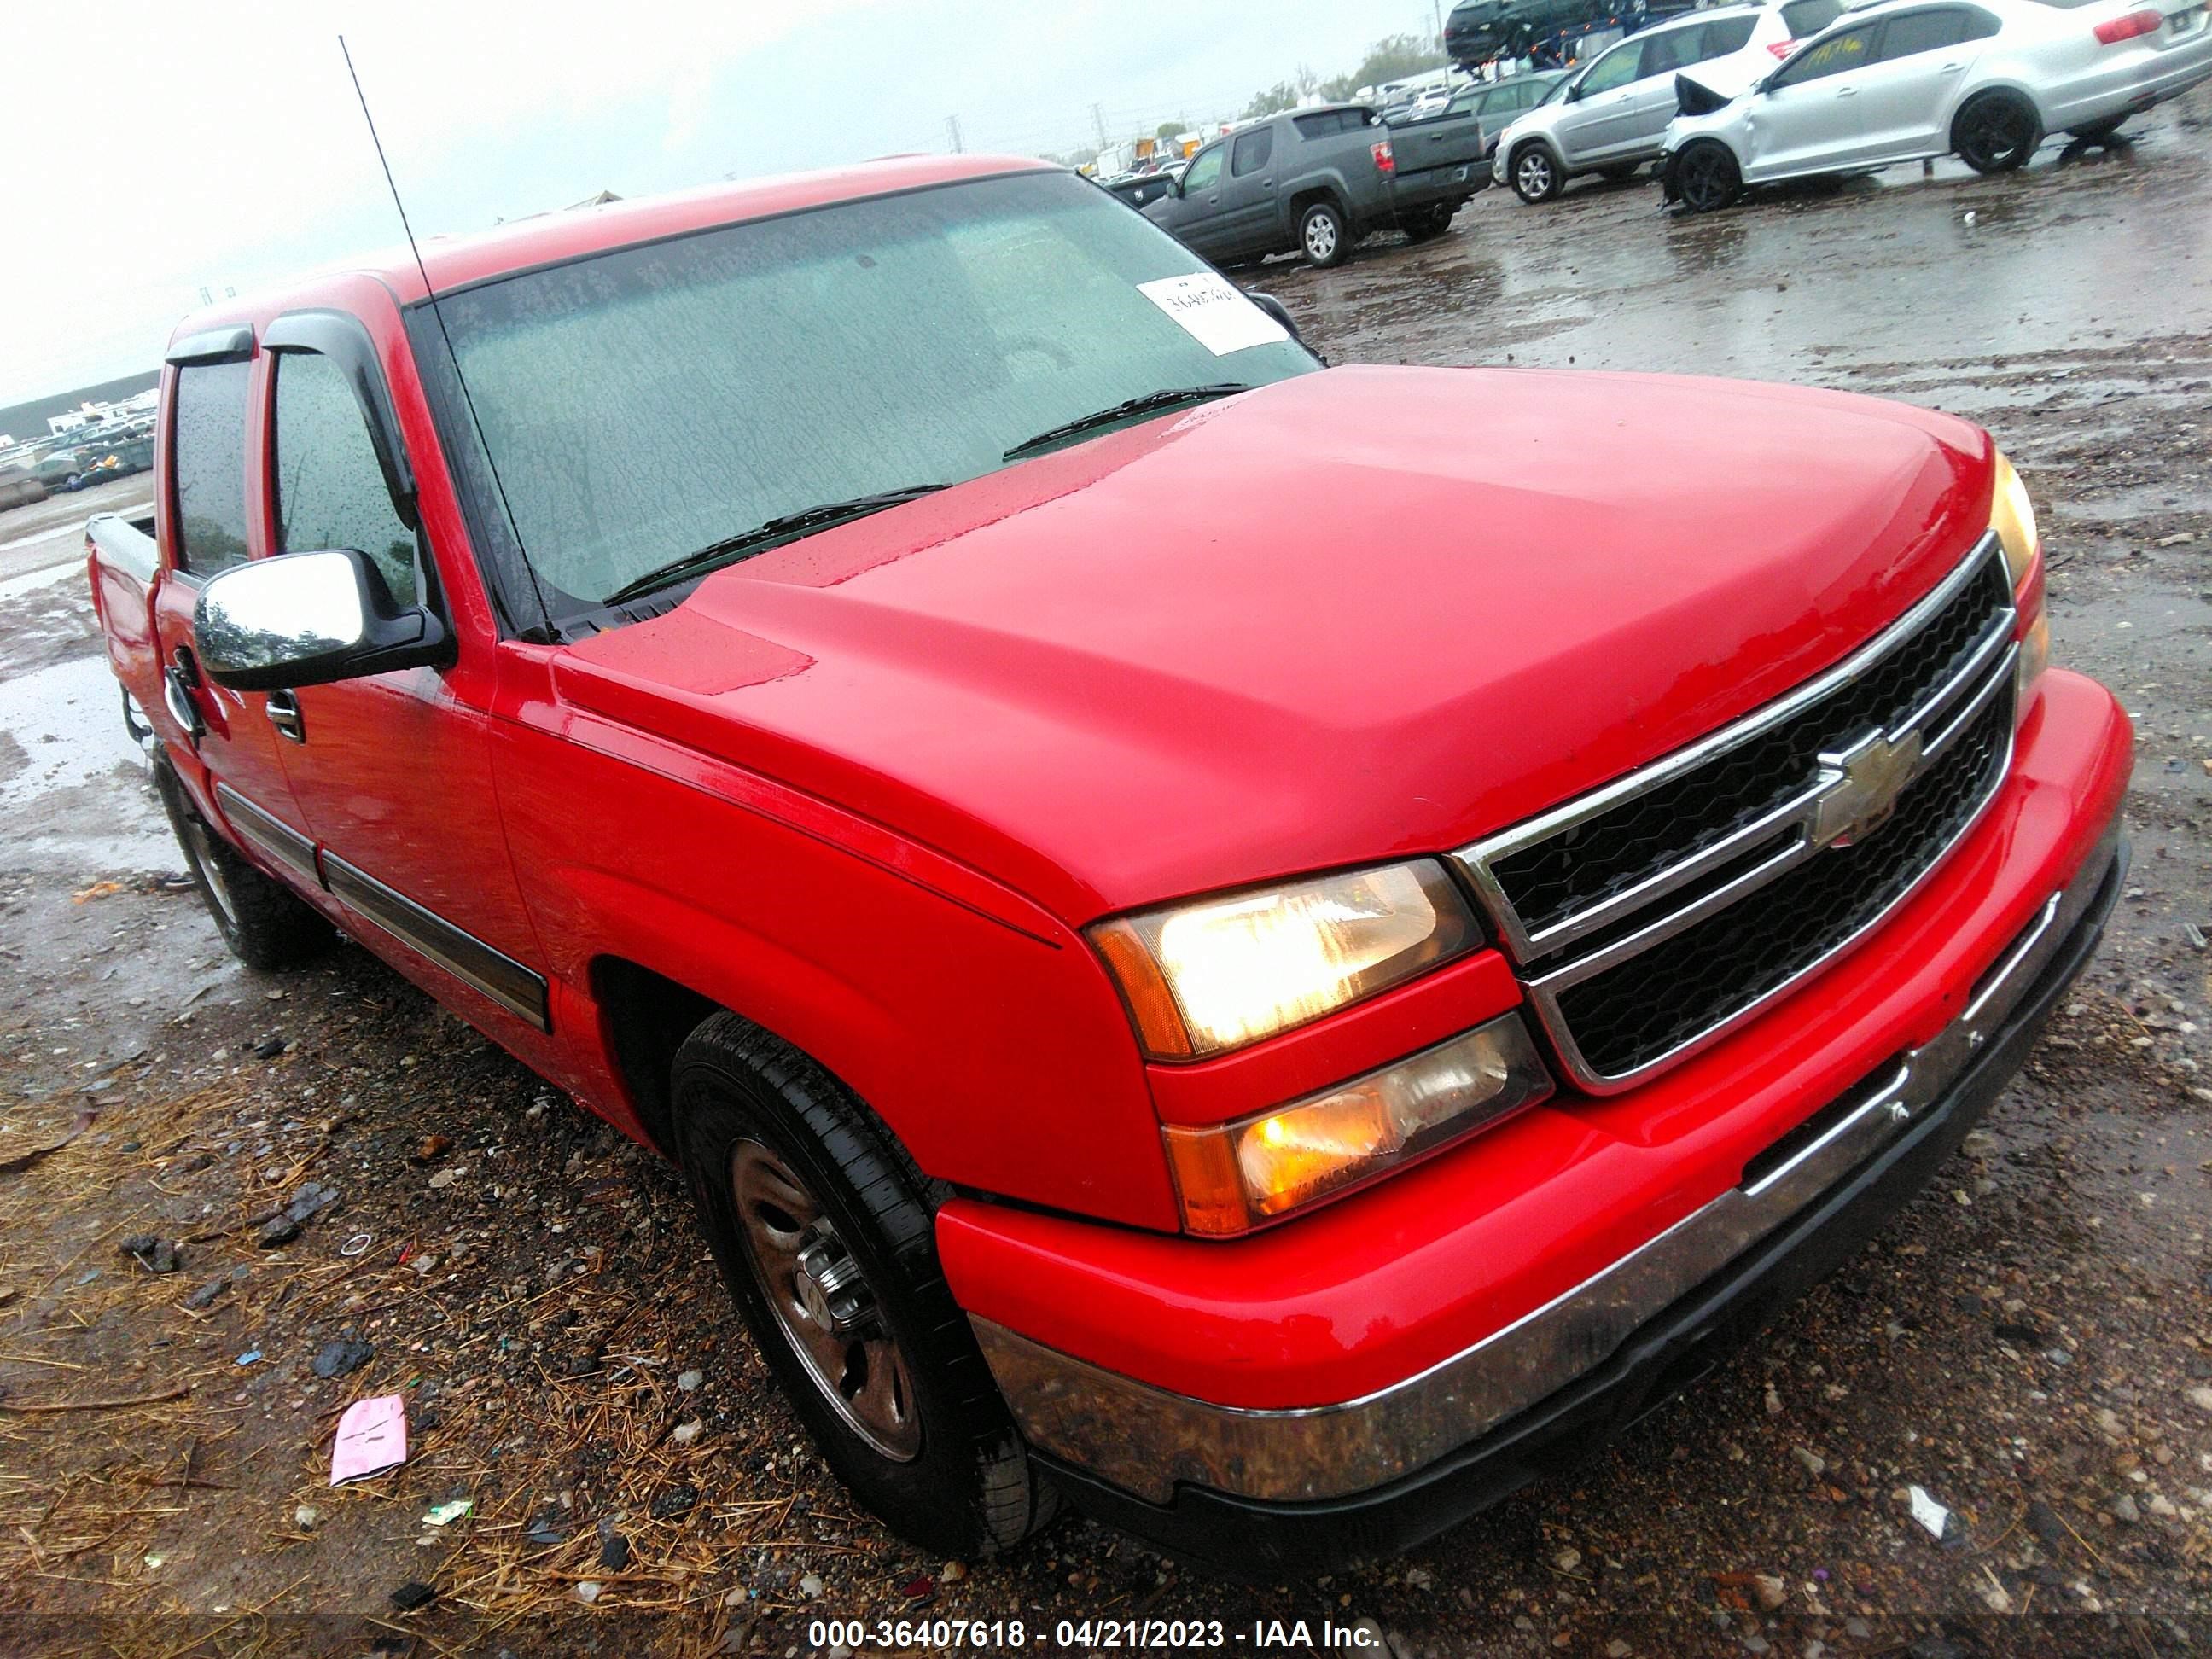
(1430, 222)
(1996, 132)
(1323, 236)
(1534, 174)
(1706, 177)
(265, 923)
(950, 1474)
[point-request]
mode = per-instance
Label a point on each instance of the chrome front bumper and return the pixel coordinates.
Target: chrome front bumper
(1147, 1440)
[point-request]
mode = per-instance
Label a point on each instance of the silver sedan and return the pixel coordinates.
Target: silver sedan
(1906, 79)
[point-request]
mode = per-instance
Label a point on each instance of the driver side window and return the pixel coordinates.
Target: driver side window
(1205, 172)
(1832, 56)
(1616, 69)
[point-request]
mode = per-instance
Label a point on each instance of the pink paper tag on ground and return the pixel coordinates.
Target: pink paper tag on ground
(371, 1439)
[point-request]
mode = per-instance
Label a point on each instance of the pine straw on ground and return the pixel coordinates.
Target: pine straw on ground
(534, 1310)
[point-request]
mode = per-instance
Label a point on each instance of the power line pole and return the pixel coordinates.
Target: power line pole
(1098, 119)
(952, 131)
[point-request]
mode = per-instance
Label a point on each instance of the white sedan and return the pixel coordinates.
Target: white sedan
(1906, 79)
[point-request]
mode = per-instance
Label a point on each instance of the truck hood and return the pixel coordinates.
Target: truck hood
(1350, 616)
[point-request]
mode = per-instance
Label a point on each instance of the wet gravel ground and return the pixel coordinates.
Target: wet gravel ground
(2031, 1345)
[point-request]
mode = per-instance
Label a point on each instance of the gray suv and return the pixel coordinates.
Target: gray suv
(1612, 113)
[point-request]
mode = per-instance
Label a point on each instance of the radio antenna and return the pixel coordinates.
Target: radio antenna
(544, 632)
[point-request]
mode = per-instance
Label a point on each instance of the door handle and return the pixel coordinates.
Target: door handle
(283, 711)
(1847, 92)
(1952, 68)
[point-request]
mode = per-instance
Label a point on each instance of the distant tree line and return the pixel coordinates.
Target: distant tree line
(1391, 59)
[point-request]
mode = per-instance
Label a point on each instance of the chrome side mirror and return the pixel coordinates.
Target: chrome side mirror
(308, 619)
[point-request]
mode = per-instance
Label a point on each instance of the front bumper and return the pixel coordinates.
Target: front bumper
(1316, 1488)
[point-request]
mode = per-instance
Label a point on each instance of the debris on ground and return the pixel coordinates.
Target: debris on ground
(156, 1254)
(342, 1358)
(1927, 1512)
(372, 1437)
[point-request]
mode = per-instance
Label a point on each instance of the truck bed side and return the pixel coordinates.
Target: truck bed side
(121, 559)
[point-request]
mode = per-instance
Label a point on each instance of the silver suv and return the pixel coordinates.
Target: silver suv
(1611, 115)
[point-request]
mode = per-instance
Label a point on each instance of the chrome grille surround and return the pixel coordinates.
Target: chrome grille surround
(1793, 822)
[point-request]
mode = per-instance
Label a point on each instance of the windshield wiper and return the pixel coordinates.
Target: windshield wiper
(784, 524)
(1122, 412)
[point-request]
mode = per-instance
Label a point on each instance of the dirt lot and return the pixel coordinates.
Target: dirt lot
(2031, 1345)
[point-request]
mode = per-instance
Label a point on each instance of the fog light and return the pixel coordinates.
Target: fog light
(1233, 1177)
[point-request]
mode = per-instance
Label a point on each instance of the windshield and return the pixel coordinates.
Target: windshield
(645, 402)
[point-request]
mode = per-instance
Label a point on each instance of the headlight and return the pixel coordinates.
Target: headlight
(2012, 515)
(1219, 973)
(1230, 1177)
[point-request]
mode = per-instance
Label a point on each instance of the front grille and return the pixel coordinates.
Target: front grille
(1661, 998)
(1650, 914)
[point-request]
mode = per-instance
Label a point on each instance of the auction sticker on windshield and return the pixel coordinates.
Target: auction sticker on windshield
(1215, 311)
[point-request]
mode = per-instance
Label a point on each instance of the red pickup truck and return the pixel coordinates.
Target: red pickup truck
(1197, 960)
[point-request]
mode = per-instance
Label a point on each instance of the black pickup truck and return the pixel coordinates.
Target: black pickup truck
(1314, 181)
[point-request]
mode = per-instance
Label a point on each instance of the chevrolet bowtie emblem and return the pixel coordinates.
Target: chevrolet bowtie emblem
(1859, 787)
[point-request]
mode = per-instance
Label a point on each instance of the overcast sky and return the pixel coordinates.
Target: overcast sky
(156, 149)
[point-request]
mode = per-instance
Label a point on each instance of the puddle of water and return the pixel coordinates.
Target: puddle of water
(31, 580)
(67, 720)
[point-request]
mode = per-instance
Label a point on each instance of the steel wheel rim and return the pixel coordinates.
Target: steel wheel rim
(211, 873)
(1536, 173)
(858, 1371)
(1321, 235)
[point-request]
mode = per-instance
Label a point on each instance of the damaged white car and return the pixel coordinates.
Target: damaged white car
(1905, 80)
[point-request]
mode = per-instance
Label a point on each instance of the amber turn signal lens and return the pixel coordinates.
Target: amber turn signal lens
(1231, 1177)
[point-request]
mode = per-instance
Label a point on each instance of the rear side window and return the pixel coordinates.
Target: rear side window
(211, 466)
(1674, 49)
(1250, 152)
(1725, 35)
(329, 489)
(1806, 18)
(1329, 122)
(1911, 33)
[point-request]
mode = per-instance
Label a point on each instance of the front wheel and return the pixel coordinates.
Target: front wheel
(1706, 177)
(1997, 132)
(825, 1235)
(1323, 237)
(264, 922)
(1535, 176)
